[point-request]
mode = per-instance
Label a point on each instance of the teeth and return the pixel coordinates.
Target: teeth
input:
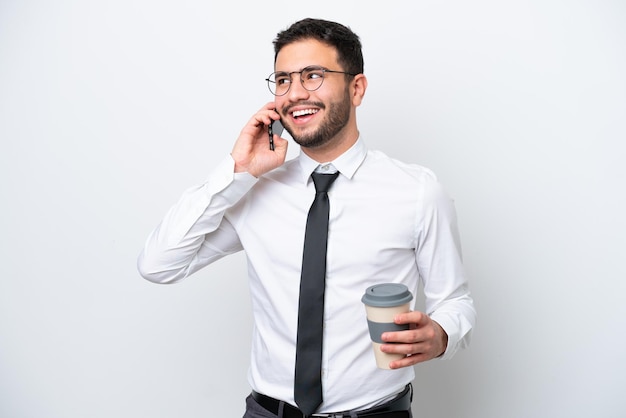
(304, 112)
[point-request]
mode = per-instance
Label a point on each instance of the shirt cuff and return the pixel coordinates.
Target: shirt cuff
(458, 330)
(230, 185)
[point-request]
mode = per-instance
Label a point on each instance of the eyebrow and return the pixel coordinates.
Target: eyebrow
(308, 67)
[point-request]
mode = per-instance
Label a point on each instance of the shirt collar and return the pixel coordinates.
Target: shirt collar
(347, 163)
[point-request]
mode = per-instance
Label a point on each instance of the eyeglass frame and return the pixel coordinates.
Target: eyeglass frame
(309, 67)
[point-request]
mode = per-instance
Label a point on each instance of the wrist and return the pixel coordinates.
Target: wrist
(443, 338)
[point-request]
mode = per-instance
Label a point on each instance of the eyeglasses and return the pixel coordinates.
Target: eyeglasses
(311, 78)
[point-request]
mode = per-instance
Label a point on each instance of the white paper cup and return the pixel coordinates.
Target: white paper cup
(382, 303)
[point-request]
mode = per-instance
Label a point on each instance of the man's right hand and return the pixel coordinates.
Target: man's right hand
(252, 152)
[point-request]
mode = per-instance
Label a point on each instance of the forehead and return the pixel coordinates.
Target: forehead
(300, 54)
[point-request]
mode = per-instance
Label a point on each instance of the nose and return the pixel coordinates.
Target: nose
(297, 91)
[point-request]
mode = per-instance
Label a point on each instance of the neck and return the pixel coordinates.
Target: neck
(332, 149)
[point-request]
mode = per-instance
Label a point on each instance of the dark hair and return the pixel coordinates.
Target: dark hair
(340, 37)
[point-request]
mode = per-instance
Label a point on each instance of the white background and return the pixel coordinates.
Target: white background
(110, 109)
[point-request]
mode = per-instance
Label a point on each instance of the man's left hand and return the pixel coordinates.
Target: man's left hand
(424, 340)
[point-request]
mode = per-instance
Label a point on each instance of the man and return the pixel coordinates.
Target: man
(388, 222)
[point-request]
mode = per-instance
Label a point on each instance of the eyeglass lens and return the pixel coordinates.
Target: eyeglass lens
(310, 77)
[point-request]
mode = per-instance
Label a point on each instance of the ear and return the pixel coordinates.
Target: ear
(359, 85)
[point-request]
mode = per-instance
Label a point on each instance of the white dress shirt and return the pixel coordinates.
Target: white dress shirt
(389, 222)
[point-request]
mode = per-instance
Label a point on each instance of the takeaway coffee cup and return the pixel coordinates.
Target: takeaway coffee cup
(382, 303)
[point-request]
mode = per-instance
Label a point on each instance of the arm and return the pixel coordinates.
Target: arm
(450, 315)
(194, 232)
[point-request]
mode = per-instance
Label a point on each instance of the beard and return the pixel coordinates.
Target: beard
(336, 119)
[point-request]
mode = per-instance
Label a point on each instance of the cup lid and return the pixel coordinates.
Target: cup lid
(385, 295)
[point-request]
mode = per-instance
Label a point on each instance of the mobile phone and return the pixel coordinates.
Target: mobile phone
(276, 127)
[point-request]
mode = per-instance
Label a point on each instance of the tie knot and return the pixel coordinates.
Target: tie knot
(323, 181)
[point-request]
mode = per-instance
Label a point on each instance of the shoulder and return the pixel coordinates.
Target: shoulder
(381, 162)
(397, 174)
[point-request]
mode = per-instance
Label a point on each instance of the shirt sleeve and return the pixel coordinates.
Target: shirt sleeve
(439, 259)
(194, 232)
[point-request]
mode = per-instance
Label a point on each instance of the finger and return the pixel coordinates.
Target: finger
(265, 115)
(400, 348)
(280, 144)
(410, 336)
(414, 353)
(407, 361)
(261, 120)
(412, 317)
(273, 112)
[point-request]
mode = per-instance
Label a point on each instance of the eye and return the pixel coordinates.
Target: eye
(282, 80)
(313, 74)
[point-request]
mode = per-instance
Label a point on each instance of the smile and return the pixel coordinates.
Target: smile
(304, 112)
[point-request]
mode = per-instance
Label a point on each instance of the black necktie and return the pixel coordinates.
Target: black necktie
(308, 375)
